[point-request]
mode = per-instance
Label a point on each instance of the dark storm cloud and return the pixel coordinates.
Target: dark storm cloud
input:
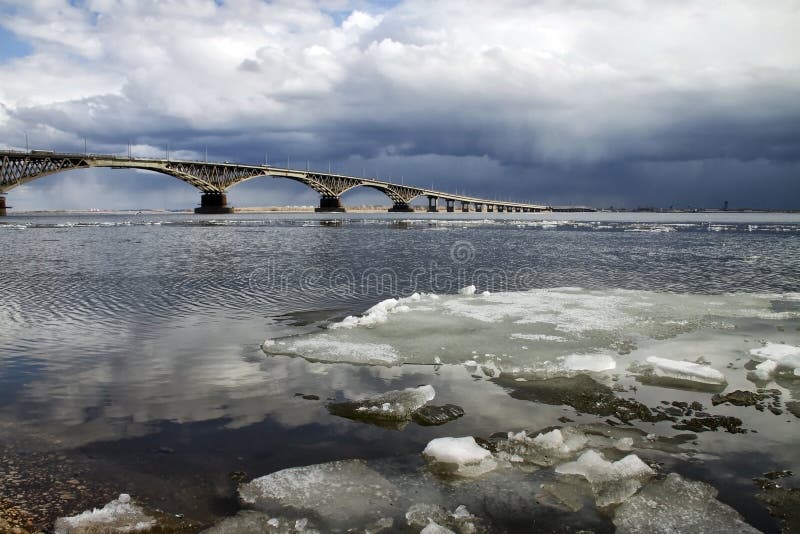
(582, 102)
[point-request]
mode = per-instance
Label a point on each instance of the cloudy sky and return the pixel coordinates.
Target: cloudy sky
(599, 102)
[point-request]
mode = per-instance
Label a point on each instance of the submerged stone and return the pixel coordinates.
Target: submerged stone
(580, 392)
(794, 408)
(437, 415)
(712, 422)
(783, 503)
(391, 407)
(678, 505)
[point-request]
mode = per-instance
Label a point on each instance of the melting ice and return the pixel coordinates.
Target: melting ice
(562, 331)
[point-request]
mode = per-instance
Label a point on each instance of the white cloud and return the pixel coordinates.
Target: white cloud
(526, 83)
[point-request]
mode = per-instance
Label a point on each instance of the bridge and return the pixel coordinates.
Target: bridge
(214, 179)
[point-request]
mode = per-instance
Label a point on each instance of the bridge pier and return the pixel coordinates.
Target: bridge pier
(328, 204)
(401, 207)
(433, 204)
(3, 207)
(465, 207)
(478, 207)
(451, 205)
(214, 204)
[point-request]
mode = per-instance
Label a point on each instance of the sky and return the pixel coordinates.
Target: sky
(623, 103)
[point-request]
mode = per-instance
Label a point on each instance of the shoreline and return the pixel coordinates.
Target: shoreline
(377, 209)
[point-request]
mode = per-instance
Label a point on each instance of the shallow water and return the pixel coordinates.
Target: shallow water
(131, 345)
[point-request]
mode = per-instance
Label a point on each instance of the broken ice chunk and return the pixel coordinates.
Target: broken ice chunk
(544, 449)
(421, 514)
(253, 521)
(469, 290)
(686, 371)
(765, 369)
(589, 362)
(391, 406)
(434, 528)
(459, 456)
(783, 355)
(611, 482)
(678, 505)
(120, 515)
(342, 492)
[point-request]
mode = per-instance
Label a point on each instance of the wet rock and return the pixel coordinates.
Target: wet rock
(714, 422)
(8, 528)
(237, 476)
(794, 408)
(437, 415)
(391, 409)
(674, 505)
(738, 398)
(773, 475)
(582, 393)
(784, 504)
(311, 397)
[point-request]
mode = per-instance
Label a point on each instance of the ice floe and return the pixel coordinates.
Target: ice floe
(687, 371)
(459, 456)
(611, 482)
(120, 515)
(379, 313)
(341, 492)
(589, 362)
(326, 348)
(786, 356)
(677, 505)
(254, 521)
(553, 331)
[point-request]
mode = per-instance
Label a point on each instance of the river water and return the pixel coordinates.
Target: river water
(133, 355)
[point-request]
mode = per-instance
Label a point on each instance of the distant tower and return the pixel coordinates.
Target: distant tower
(725, 206)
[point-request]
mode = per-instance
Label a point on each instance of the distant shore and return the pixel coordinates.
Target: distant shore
(376, 209)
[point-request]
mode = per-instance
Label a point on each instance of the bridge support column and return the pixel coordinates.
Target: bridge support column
(329, 204)
(451, 205)
(3, 208)
(401, 207)
(214, 204)
(478, 207)
(433, 204)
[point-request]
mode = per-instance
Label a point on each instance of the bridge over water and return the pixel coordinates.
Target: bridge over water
(214, 179)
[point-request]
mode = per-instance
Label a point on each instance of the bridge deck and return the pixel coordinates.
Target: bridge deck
(215, 178)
